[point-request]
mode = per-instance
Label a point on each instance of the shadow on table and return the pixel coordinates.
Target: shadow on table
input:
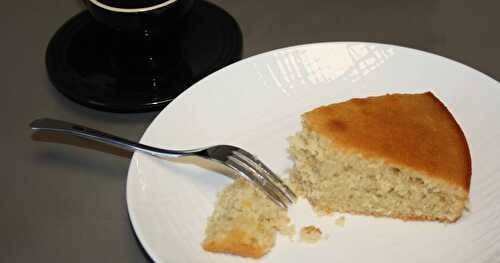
(79, 142)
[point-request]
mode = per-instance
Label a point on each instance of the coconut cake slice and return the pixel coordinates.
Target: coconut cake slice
(399, 155)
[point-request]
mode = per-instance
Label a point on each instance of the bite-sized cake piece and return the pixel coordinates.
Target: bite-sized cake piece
(245, 222)
(399, 155)
(340, 221)
(310, 234)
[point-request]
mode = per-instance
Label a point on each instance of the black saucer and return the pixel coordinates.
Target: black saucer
(80, 67)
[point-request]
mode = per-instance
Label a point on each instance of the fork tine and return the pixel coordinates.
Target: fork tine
(264, 179)
(273, 185)
(250, 174)
(266, 172)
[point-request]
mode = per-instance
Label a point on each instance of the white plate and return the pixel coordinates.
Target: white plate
(256, 104)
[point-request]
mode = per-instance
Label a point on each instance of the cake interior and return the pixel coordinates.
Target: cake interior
(333, 178)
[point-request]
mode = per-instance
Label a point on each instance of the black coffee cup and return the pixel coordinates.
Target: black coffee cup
(142, 44)
(139, 15)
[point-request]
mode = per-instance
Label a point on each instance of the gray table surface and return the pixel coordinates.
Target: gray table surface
(65, 201)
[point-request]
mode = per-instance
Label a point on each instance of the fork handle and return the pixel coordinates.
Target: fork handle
(58, 126)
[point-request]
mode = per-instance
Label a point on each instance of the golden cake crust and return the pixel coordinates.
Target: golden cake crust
(412, 130)
(396, 215)
(237, 242)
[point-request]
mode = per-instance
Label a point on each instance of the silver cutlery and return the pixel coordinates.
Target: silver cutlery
(242, 162)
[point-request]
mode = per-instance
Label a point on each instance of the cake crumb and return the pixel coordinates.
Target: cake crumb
(340, 221)
(310, 234)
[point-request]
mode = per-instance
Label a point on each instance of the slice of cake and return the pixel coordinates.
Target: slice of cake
(244, 222)
(400, 155)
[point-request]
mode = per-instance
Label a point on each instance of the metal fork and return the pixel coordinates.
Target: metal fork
(239, 160)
